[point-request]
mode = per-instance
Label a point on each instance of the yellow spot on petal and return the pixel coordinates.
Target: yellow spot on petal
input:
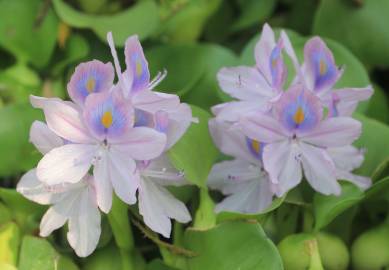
(107, 119)
(299, 116)
(274, 62)
(90, 85)
(256, 146)
(322, 67)
(138, 68)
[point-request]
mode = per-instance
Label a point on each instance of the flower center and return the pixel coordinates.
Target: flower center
(90, 85)
(138, 68)
(322, 67)
(299, 116)
(107, 119)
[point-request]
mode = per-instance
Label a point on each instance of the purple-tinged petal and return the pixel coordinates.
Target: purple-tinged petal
(123, 175)
(277, 67)
(43, 138)
(231, 141)
(282, 162)
(68, 163)
(162, 121)
(291, 53)
(245, 83)
(234, 110)
(66, 122)
(346, 100)
(41, 102)
(108, 115)
(179, 121)
(298, 109)
(90, 77)
(143, 119)
(319, 169)
(263, 128)
(142, 143)
(333, 132)
(155, 101)
(263, 50)
(321, 70)
(136, 64)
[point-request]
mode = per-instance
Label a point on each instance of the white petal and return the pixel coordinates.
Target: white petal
(249, 197)
(225, 175)
(346, 157)
(162, 172)
(244, 83)
(142, 143)
(51, 221)
(282, 162)
(361, 181)
(33, 189)
(157, 206)
(153, 102)
(123, 174)
(66, 122)
(84, 225)
(43, 138)
(234, 110)
(263, 50)
(68, 163)
(103, 183)
(230, 140)
(333, 132)
(179, 121)
(263, 128)
(319, 170)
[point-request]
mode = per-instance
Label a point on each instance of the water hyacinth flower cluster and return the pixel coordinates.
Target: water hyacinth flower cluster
(111, 138)
(278, 132)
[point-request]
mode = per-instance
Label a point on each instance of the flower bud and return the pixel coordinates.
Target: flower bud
(371, 249)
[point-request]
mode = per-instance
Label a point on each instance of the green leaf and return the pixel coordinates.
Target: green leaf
(5, 214)
(253, 12)
(378, 106)
(223, 216)
(76, 49)
(184, 22)
(214, 58)
(326, 208)
(17, 153)
(6, 266)
(124, 24)
(9, 243)
(232, 246)
(374, 139)
(120, 224)
(103, 259)
(26, 32)
(26, 213)
(37, 254)
(195, 153)
(184, 65)
(18, 82)
(158, 264)
(356, 27)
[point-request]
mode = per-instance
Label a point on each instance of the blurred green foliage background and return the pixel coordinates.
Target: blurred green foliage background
(41, 42)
